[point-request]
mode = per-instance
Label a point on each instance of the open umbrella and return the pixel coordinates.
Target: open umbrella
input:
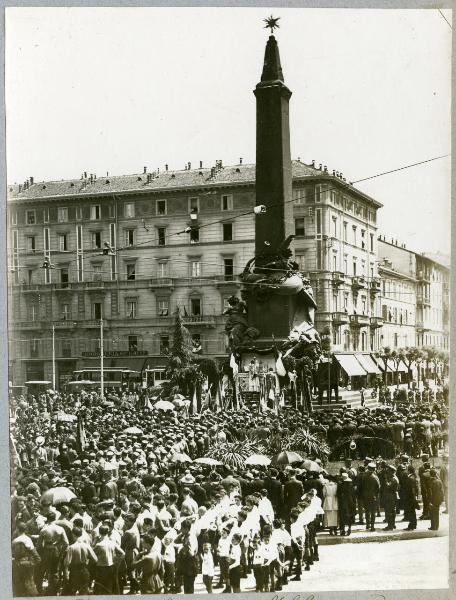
(207, 460)
(180, 457)
(164, 405)
(133, 430)
(286, 457)
(258, 460)
(66, 418)
(58, 495)
(179, 397)
(311, 465)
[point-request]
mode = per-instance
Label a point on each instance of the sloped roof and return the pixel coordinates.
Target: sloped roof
(165, 180)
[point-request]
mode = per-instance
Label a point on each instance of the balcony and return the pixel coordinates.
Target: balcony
(359, 320)
(95, 286)
(28, 324)
(340, 318)
(376, 322)
(338, 277)
(421, 326)
(375, 285)
(359, 283)
(226, 280)
(208, 320)
(161, 282)
(423, 300)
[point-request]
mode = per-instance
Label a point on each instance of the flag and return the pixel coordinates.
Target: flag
(194, 402)
(80, 433)
(234, 366)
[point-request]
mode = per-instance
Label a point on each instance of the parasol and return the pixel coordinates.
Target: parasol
(164, 405)
(286, 457)
(133, 430)
(258, 459)
(311, 465)
(180, 457)
(66, 418)
(207, 460)
(179, 397)
(58, 495)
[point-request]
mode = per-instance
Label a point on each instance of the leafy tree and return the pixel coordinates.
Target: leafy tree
(233, 454)
(182, 370)
(384, 354)
(410, 356)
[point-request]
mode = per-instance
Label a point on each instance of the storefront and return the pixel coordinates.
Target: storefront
(352, 374)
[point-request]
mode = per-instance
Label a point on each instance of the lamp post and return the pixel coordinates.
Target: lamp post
(101, 360)
(53, 357)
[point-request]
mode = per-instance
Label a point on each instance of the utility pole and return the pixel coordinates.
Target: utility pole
(53, 357)
(101, 360)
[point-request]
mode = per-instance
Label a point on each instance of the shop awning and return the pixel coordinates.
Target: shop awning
(381, 364)
(368, 364)
(350, 365)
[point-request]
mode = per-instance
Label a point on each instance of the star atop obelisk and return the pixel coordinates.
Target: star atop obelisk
(272, 23)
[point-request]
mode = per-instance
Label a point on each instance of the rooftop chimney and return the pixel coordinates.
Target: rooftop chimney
(85, 174)
(326, 169)
(313, 163)
(145, 170)
(299, 159)
(201, 164)
(91, 177)
(319, 166)
(334, 173)
(212, 171)
(189, 165)
(31, 180)
(240, 161)
(166, 167)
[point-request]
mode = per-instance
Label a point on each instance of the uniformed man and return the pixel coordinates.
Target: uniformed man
(371, 490)
(390, 493)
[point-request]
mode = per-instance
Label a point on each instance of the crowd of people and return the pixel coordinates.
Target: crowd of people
(116, 500)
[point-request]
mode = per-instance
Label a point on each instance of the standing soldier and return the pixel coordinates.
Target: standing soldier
(410, 498)
(371, 490)
(423, 474)
(444, 480)
(436, 497)
(391, 487)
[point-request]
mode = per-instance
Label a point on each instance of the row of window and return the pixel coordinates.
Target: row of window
(194, 308)
(324, 193)
(363, 241)
(161, 209)
(97, 241)
(393, 314)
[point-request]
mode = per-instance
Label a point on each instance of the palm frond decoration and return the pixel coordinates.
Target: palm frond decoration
(233, 454)
(308, 443)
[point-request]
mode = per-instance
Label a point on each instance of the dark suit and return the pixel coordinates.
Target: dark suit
(275, 492)
(292, 493)
(436, 497)
(390, 492)
(370, 493)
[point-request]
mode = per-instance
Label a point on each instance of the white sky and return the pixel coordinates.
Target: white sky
(114, 89)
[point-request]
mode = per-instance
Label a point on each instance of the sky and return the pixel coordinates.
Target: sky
(116, 89)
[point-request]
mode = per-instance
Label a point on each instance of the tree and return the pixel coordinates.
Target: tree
(396, 359)
(384, 354)
(410, 356)
(182, 370)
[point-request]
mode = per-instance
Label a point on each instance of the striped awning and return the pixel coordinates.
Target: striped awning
(350, 365)
(368, 364)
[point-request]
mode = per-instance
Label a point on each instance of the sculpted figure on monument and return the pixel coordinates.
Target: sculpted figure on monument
(236, 326)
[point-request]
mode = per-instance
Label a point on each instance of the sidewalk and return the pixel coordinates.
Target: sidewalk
(359, 534)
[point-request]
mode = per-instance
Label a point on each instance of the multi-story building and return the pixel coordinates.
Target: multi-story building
(131, 249)
(415, 297)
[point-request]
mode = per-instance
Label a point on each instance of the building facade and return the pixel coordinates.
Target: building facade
(415, 297)
(132, 249)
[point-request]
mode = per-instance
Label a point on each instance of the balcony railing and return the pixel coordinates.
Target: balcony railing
(375, 285)
(423, 300)
(359, 282)
(359, 320)
(340, 318)
(161, 282)
(198, 320)
(376, 322)
(338, 277)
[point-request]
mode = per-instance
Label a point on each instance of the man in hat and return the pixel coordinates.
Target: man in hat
(423, 474)
(444, 479)
(292, 493)
(410, 498)
(435, 499)
(370, 495)
(390, 493)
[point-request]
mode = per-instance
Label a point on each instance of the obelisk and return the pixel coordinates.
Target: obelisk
(273, 317)
(273, 160)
